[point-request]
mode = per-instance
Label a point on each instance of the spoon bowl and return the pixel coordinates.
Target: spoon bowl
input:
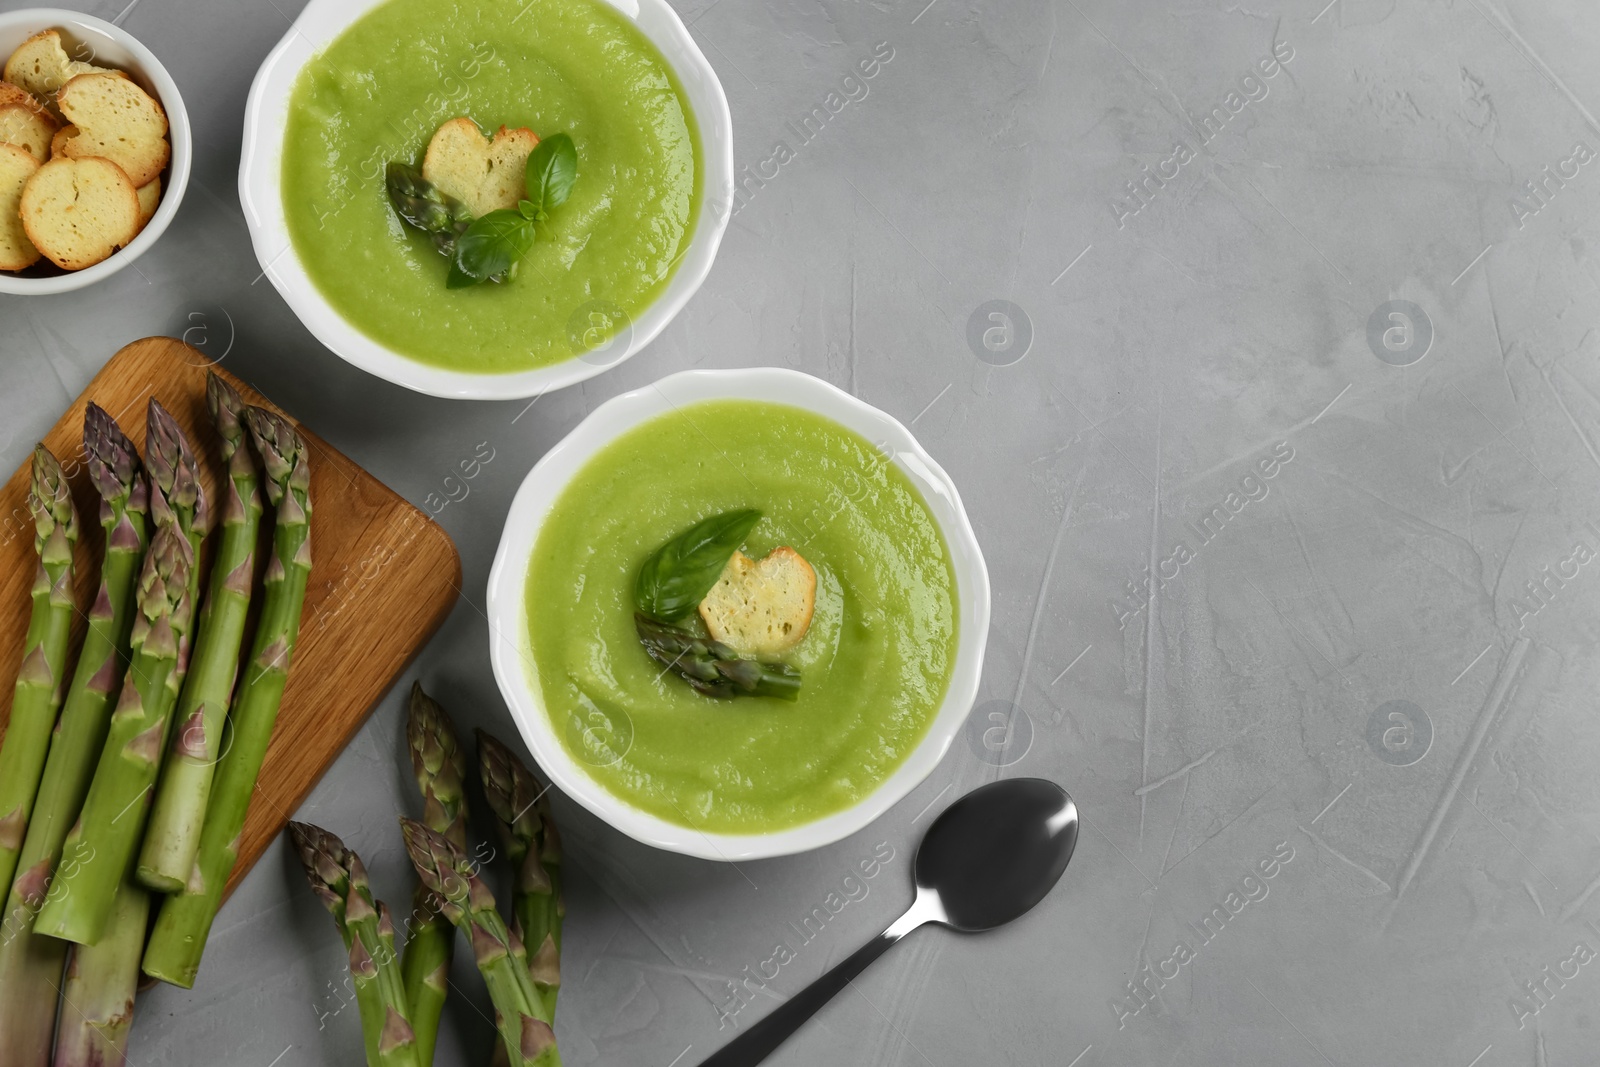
(996, 852)
(986, 860)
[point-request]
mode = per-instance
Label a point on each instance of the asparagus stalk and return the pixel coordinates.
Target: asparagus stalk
(99, 849)
(338, 877)
(30, 967)
(440, 768)
(711, 667)
(173, 837)
(97, 999)
(176, 496)
(179, 938)
(533, 847)
(38, 690)
(521, 1014)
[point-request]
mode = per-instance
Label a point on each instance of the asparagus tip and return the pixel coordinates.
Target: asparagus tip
(173, 468)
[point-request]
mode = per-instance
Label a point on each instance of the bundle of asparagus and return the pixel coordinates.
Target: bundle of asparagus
(96, 769)
(400, 1001)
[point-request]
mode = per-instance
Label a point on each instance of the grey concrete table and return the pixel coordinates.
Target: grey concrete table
(1261, 341)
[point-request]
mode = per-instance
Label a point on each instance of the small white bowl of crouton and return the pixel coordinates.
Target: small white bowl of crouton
(94, 150)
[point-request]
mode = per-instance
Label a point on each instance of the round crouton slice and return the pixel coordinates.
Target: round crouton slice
(28, 127)
(79, 211)
(762, 607)
(486, 175)
(149, 200)
(116, 120)
(16, 167)
(15, 94)
(41, 66)
(58, 143)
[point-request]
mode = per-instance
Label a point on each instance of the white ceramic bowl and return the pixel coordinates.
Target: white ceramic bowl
(508, 623)
(106, 45)
(260, 169)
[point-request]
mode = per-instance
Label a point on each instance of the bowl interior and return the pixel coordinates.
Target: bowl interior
(266, 117)
(96, 41)
(509, 624)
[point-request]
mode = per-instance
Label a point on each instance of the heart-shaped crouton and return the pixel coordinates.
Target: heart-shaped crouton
(41, 66)
(762, 607)
(483, 174)
(16, 167)
(79, 211)
(116, 120)
(24, 122)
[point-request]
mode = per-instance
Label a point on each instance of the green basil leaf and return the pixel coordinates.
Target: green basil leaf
(528, 210)
(552, 168)
(459, 279)
(681, 572)
(492, 244)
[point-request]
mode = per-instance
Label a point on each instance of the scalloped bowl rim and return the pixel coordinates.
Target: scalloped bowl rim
(175, 180)
(508, 629)
(260, 173)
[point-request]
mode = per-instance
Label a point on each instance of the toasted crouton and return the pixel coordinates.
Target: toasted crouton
(116, 120)
(149, 199)
(15, 94)
(27, 126)
(79, 211)
(483, 174)
(16, 167)
(762, 607)
(41, 66)
(58, 143)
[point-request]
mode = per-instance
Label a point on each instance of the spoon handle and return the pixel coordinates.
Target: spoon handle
(758, 1042)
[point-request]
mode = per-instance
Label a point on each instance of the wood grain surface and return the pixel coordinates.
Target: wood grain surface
(383, 575)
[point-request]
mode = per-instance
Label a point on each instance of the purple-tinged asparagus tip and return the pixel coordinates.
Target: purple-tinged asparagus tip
(173, 469)
(55, 519)
(281, 449)
(227, 410)
(114, 465)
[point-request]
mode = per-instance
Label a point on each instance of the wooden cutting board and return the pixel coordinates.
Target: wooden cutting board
(383, 575)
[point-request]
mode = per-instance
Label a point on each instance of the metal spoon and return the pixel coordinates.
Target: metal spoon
(987, 859)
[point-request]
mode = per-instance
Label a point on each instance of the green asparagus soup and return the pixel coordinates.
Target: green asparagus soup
(379, 92)
(874, 664)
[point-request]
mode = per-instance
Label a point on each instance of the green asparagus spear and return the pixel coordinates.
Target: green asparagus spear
(528, 834)
(100, 847)
(173, 836)
(711, 667)
(44, 656)
(424, 206)
(97, 999)
(338, 877)
(521, 1014)
(176, 496)
(30, 967)
(440, 768)
(179, 938)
